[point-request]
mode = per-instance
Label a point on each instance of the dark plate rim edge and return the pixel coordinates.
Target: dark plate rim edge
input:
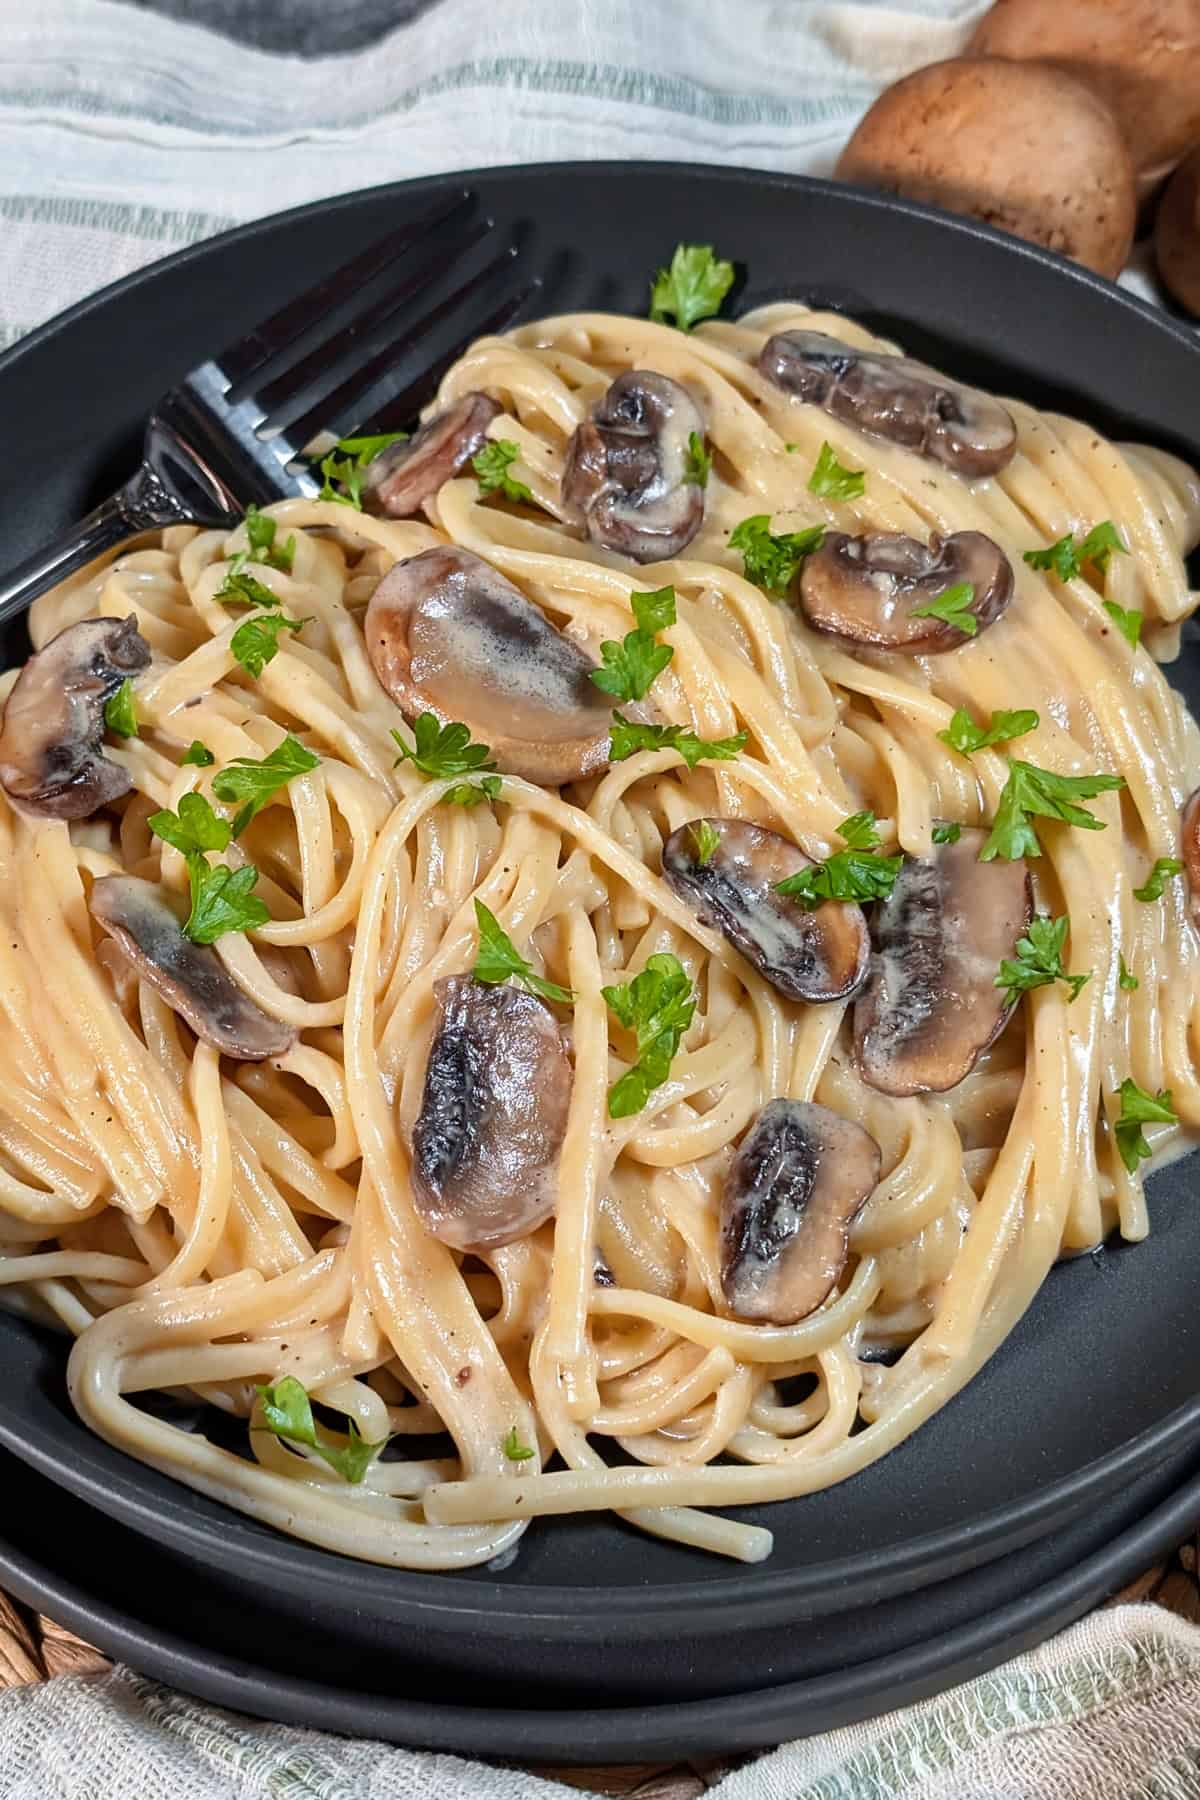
(762, 1716)
(870, 200)
(764, 1597)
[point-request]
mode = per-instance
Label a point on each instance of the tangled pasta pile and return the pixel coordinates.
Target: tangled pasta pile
(310, 1144)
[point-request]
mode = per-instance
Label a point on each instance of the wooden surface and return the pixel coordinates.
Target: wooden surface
(33, 1648)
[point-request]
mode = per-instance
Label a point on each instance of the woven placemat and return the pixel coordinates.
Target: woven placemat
(34, 1648)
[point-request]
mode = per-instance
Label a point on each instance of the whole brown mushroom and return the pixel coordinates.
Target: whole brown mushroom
(1177, 234)
(1141, 56)
(1018, 145)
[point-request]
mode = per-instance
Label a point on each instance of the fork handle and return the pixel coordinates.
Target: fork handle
(141, 505)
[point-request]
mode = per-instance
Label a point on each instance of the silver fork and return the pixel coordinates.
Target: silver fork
(239, 427)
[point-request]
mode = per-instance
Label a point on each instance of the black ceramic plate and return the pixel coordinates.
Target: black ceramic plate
(1100, 1378)
(149, 1607)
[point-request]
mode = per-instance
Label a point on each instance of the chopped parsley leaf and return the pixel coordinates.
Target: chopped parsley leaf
(691, 289)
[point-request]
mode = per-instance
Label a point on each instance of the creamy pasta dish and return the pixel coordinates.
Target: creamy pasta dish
(597, 965)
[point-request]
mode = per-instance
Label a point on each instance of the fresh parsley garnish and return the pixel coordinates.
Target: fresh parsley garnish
(255, 643)
(514, 1449)
(832, 480)
(344, 469)
(439, 751)
(193, 829)
(629, 736)
(1139, 1108)
(492, 464)
(261, 531)
(698, 462)
(965, 736)
(860, 832)
(367, 448)
(254, 781)
(222, 898)
(770, 559)
(1042, 793)
(953, 608)
(499, 959)
(654, 610)
(470, 793)
(855, 873)
(946, 832)
(692, 288)
(631, 666)
(706, 838)
(120, 712)
(1128, 621)
(1039, 959)
(198, 755)
(1165, 868)
(287, 1411)
(1066, 558)
(240, 588)
(657, 1006)
(1124, 979)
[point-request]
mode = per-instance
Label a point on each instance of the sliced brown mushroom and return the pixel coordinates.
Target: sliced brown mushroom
(51, 763)
(145, 922)
(800, 1177)
(872, 589)
(931, 1006)
(815, 956)
(893, 397)
(625, 469)
(401, 478)
(493, 1115)
(447, 634)
(1189, 834)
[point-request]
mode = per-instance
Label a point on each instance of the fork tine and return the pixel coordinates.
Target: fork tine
(271, 335)
(302, 380)
(333, 406)
(405, 405)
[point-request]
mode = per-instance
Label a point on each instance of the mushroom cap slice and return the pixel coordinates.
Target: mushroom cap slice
(145, 922)
(404, 475)
(867, 589)
(447, 634)
(893, 397)
(814, 956)
(51, 763)
(493, 1115)
(625, 468)
(800, 1177)
(931, 1007)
